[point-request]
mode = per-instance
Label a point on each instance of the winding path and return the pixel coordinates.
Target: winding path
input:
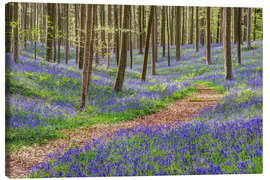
(21, 160)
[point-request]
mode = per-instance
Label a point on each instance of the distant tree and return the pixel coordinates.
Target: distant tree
(248, 27)
(254, 24)
(53, 31)
(172, 25)
(149, 27)
(102, 35)
(208, 37)
(183, 26)
(25, 5)
(140, 28)
(67, 33)
(123, 59)
(87, 63)
(154, 43)
(76, 7)
(177, 32)
(245, 24)
(218, 26)
(197, 30)
(35, 30)
(15, 32)
(96, 19)
(202, 27)
(227, 43)
(8, 27)
(82, 34)
(237, 31)
(49, 32)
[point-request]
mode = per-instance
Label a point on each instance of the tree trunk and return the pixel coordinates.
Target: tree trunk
(15, 32)
(227, 43)
(168, 31)
(109, 23)
(25, 25)
(245, 24)
(60, 31)
(140, 29)
(49, 32)
(172, 25)
(102, 23)
(82, 35)
(123, 60)
(147, 44)
(183, 25)
(153, 60)
(221, 26)
(197, 30)
(54, 27)
(76, 33)
(87, 53)
(36, 30)
(162, 37)
(202, 28)
(248, 27)
(130, 38)
(255, 25)
(208, 37)
(218, 27)
(67, 33)
(116, 35)
(191, 26)
(96, 39)
(8, 27)
(237, 32)
(177, 32)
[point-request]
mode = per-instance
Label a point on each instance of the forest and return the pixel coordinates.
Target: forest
(132, 90)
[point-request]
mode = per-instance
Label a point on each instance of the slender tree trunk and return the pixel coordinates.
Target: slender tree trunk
(153, 60)
(130, 38)
(218, 27)
(36, 29)
(123, 60)
(168, 31)
(49, 32)
(102, 22)
(221, 26)
(109, 23)
(197, 30)
(255, 25)
(227, 43)
(248, 27)
(147, 44)
(116, 35)
(82, 35)
(96, 40)
(245, 24)
(237, 14)
(208, 37)
(162, 38)
(87, 53)
(183, 25)
(59, 38)
(177, 32)
(172, 25)
(202, 28)
(8, 27)
(25, 25)
(15, 32)
(191, 26)
(54, 27)
(76, 33)
(67, 33)
(140, 29)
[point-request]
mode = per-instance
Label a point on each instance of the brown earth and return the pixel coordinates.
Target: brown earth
(22, 159)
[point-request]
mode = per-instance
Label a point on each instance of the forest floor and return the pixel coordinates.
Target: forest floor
(23, 159)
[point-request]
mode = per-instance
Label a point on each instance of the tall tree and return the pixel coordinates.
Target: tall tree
(227, 43)
(208, 37)
(130, 39)
(123, 59)
(218, 26)
(237, 32)
(154, 43)
(35, 29)
(67, 33)
(54, 32)
(172, 25)
(15, 32)
(25, 24)
(140, 28)
(147, 43)
(191, 25)
(248, 27)
(202, 27)
(177, 32)
(60, 30)
(183, 26)
(197, 30)
(8, 27)
(86, 63)
(109, 23)
(82, 35)
(116, 35)
(255, 24)
(162, 34)
(168, 33)
(102, 23)
(49, 32)
(76, 6)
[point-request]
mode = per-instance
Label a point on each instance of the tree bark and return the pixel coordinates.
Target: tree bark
(177, 32)
(183, 25)
(123, 60)
(8, 27)
(218, 27)
(60, 31)
(82, 35)
(15, 32)
(227, 43)
(109, 23)
(116, 35)
(248, 27)
(147, 44)
(162, 38)
(191, 26)
(87, 53)
(202, 28)
(255, 25)
(140, 29)
(153, 60)
(130, 39)
(168, 31)
(197, 30)
(237, 13)
(208, 37)
(67, 33)
(76, 33)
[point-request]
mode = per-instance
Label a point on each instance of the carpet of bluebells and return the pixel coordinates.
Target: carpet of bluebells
(43, 98)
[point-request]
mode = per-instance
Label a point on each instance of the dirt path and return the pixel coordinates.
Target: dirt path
(21, 160)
